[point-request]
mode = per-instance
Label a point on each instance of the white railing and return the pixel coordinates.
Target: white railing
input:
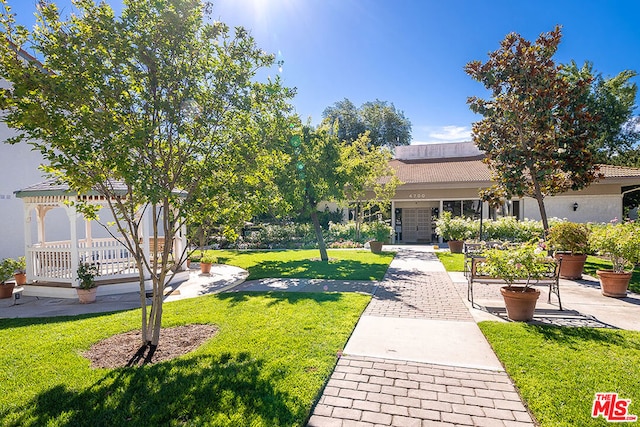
(51, 261)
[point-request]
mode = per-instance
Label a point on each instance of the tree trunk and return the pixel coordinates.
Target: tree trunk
(319, 236)
(543, 212)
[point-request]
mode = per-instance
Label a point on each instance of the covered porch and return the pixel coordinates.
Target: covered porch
(52, 261)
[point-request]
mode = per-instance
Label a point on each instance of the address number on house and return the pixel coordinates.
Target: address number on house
(417, 196)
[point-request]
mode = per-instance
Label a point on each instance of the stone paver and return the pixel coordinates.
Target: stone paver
(413, 402)
(366, 389)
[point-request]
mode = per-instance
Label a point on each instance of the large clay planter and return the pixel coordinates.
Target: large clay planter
(87, 296)
(21, 278)
(455, 246)
(6, 289)
(205, 267)
(613, 284)
(376, 247)
(520, 302)
(571, 266)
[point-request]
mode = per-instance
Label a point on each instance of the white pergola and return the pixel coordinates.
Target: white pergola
(57, 261)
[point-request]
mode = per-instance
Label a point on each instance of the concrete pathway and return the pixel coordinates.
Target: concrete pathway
(417, 358)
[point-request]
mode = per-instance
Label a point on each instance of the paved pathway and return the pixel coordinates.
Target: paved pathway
(417, 358)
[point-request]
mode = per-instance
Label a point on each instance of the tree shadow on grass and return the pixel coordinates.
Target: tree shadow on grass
(280, 297)
(574, 337)
(338, 270)
(227, 389)
(32, 321)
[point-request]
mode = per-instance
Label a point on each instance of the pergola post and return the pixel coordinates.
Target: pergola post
(73, 231)
(27, 242)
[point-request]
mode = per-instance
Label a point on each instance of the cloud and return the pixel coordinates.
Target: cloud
(434, 135)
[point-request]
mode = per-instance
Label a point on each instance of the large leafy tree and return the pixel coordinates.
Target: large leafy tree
(157, 110)
(612, 100)
(536, 126)
(321, 167)
(387, 126)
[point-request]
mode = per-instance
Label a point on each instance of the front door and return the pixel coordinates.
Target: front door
(416, 225)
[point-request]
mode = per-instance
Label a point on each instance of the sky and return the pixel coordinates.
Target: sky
(412, 52)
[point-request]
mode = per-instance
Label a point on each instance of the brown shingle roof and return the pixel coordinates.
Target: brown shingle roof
(461, 170)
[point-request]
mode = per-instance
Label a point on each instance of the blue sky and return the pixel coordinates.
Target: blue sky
(412, 52)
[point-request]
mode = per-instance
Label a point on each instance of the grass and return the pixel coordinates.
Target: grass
(559, 370)
(451, 262)
(265, 367)
(343, 264)
(597, 263)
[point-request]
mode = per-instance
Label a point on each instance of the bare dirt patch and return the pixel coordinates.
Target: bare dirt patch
(126, 350)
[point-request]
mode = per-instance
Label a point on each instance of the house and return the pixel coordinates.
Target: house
(448, 177)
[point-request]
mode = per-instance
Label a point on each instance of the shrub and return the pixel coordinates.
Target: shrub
(569, 237)
(454, 228)
(620, 242)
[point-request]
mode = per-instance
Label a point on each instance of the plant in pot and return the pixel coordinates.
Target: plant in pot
(381, 233)
(570, 241)
(6, 273)
(621, 243)
(206, 260)
(87, 286)
(523, 265)
(455, 230)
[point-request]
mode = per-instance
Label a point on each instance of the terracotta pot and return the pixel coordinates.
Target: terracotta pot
(455, 246)
(205, 267)
(6, 289)
(613, 284)
(572, 265)
(376, 247)
(21, 278)
(520, 302)
(87, 296)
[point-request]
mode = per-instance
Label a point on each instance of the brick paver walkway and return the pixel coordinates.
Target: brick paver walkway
(368, 391)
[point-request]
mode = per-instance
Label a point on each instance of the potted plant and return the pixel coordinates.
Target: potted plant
(455, 230)
(20, 271)
(205, 262)
(381, 233)
(6, 273)
(570, 241)
(87, 286)
(621, 243)
(522, 265)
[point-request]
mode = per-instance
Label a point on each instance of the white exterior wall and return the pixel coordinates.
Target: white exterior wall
(591, 208)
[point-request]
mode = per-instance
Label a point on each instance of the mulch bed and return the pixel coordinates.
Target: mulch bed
(126, 350)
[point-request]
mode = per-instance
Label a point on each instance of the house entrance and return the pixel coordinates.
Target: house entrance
(418, 225)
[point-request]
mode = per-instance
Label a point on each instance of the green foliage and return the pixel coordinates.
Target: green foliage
(558, 370)
(87, 273)
(612, 100)
(208, 258)
(523, 262)
(536, 125)
(569, 236)
(387, 126)
(157, 109)
(454, 228)
(508, 228)
(377, 231)
(620, 242)
(343, 265)
(266, 366)
(7, 267)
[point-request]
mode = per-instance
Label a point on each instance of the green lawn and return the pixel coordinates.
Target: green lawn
(451, 262)
(265, 367)
(559, 370)
(343, 264)
(597, 263)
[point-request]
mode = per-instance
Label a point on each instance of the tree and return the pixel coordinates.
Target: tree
(387, 126)
(536, 127)
(320, 167)
(612, 101)
(156, 110)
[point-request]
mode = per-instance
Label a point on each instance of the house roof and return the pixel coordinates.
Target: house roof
(473, 170)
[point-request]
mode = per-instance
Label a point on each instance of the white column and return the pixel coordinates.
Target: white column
(73, 243)
(28, 242)
(440, 240)
(393, 220)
